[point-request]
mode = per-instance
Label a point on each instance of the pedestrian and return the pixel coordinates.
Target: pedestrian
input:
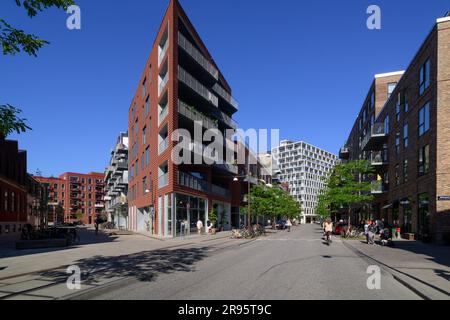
(96, 224)
(372, 231)
(289, 225)
(366, 231)
(199, 226)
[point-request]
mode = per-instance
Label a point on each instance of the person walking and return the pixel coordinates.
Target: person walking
(199, 226)
(366, 231)
(96, 224)
(328, 228)
(289, 225)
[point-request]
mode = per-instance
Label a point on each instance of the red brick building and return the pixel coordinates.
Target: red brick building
(13, 189)
(76, 194)
(403, 129)
(180, 84)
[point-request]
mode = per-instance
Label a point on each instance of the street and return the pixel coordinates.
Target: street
(295, 265)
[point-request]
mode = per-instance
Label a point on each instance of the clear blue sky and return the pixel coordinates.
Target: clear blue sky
(301, 66)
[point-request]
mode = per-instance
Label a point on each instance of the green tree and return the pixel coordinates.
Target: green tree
(15, 40)
(346, 187)
(10, 121)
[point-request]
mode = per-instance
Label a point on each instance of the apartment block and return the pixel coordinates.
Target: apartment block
(180, 87)
(13, 188)
(403, 129)
(303, 166)
(75, 196)
(116, 184)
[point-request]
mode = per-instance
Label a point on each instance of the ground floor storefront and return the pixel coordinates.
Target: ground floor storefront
(177, 215)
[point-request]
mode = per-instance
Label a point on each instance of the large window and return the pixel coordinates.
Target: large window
(391, 88)
(424, 160)
(147, 156)
(147, 106)
(424, 81)
(386, 125)
(398, 107)
(144, 135)
(397, 143)
(405, 136)
(424, 119)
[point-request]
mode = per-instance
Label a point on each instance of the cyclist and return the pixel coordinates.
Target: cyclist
(328, 228)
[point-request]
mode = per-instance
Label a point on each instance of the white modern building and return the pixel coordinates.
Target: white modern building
(302, 166)
(116, 184)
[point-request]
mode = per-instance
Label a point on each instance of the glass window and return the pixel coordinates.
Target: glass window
(424, 119)
(386, 124)
(405, 135)
(424, 81)
(424, 160)
(147, 106)
(406, 102)
(144, 135)
(405, 171)
(397, 143)
(147, 156)
(391, 88)
(144, 89)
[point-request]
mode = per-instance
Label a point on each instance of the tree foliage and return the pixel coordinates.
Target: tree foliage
(14, 40)
(346, 187)
(272, 202)
(10, 121)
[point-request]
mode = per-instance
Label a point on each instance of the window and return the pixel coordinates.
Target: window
(391, 88)
(397, 175)
(424, 81)
(144, 186)
(424, 160)
(397, 143)
(386, 125)
(405, 171)
(133, 112)
(372, 100)
(144, 89)
(147, 106)
(405, 136)
(142, 162)
(144, 135)
(405, 97)
(13, 200)
(147, 156)
(397, 107)
(360, 124)
(424, 119)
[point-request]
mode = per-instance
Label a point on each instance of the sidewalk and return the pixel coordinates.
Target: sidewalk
(422, 267)
(17, 262)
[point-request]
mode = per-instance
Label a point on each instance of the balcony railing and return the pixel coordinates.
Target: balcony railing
(163, 52)
(228, 121)
(192, 182)
(163, 84)
(228, 167)
(163, 114)
(163, 146)
(378, 187)
(200, 89)
(197, 56)
(194, 115)
(379, 158)
(226, 96)
(220, 191)
(163, 180)
(376, 135)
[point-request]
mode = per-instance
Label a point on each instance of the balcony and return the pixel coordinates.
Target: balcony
(378, 187)
(189, 181)
(197, 56)
(194, 115)
(162, 52)
(163, 180)
(163, 83)
(375, 137)
(162, 115)
(226, 96)
(219, 191)
(379, 158)
(122, 165)
(228, 121)
(231, 168)
(163, 145)
(344, 153)
(197, 87)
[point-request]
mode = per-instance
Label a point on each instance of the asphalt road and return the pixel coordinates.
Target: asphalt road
(295, 265)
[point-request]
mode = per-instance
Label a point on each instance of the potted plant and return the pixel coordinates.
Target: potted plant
(213, 220)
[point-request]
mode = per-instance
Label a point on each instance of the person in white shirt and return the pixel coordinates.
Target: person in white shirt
(199, 226)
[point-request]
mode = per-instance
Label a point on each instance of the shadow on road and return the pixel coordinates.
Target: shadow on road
(87, 237)
(143, 266)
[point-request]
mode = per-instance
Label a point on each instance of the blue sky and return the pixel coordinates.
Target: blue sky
(301, 66)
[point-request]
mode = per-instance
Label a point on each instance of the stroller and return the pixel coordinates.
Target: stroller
(385, 237)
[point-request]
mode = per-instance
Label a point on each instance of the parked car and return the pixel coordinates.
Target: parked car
(280, 225)
(340, 228)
